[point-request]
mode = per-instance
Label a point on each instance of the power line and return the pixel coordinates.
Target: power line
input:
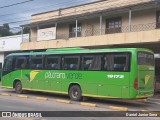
(20, 21)
(54, 5)
(16, 4)
(30, 10)
(117, 5)
(14, 18)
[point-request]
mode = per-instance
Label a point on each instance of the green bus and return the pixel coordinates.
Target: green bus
(126, 73)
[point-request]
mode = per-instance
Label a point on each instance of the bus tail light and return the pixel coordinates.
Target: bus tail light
(136, 83)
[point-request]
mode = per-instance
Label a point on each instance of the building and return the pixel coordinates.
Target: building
(10, 44)
(102, 24)
(106, 23)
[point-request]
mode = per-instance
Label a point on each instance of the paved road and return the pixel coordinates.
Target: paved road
(21, 104)
(13, 103)
(9, 103)
(132, 105)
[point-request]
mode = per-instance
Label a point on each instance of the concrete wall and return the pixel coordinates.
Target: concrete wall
(63, 31)
(33, 34)
(102, 40)
(11, 43)
(107, 4)
(144, 17)
(92, 26)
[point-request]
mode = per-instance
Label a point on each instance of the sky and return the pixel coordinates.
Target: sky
(24, 11)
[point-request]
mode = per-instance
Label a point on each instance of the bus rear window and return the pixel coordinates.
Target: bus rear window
(145, 58)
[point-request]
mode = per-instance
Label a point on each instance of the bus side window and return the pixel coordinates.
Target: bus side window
(97, 62)
(21, 62)
(52, 63)
(87, 62)
(92, 62)
(107, 64)
(121, 62)
(8, 65)
(71, 63)
(36, 62)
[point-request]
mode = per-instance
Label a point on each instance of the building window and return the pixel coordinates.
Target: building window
(158, 20)
(113, 25)
(72, 30)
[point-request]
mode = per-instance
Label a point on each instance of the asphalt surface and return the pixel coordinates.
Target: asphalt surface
(13, 103)
(132, 105)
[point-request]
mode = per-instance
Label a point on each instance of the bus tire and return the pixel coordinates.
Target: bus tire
(18, 87)
(75, 93)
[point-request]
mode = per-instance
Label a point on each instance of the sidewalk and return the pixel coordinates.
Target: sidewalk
(157, 95)
(155, 98)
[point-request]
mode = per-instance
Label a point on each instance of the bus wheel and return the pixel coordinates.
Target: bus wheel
(18, 87)
(75, 93)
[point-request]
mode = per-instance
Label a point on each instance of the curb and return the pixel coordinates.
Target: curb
(144, 110)
(153, 100)
(118, 108)
(88, 104)
(63, 101)
(41, 98)
(22, 96)
(5, 94)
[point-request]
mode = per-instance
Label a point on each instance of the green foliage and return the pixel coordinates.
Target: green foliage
(25, 31)
(5, 30)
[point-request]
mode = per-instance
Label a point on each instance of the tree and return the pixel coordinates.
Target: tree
(26, 30)
(6, 26)
(5, 30)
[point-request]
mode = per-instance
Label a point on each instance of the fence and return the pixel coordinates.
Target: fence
(95, 31)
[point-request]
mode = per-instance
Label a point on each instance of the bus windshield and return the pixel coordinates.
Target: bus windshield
(145, 58)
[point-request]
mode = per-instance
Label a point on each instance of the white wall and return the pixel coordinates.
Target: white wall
(1, 58)
(11, 43)
(46, 34)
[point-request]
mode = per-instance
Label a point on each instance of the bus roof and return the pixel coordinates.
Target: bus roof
(79, 50)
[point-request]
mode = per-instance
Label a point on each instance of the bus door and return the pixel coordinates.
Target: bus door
(6, 71)
(145, 73)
